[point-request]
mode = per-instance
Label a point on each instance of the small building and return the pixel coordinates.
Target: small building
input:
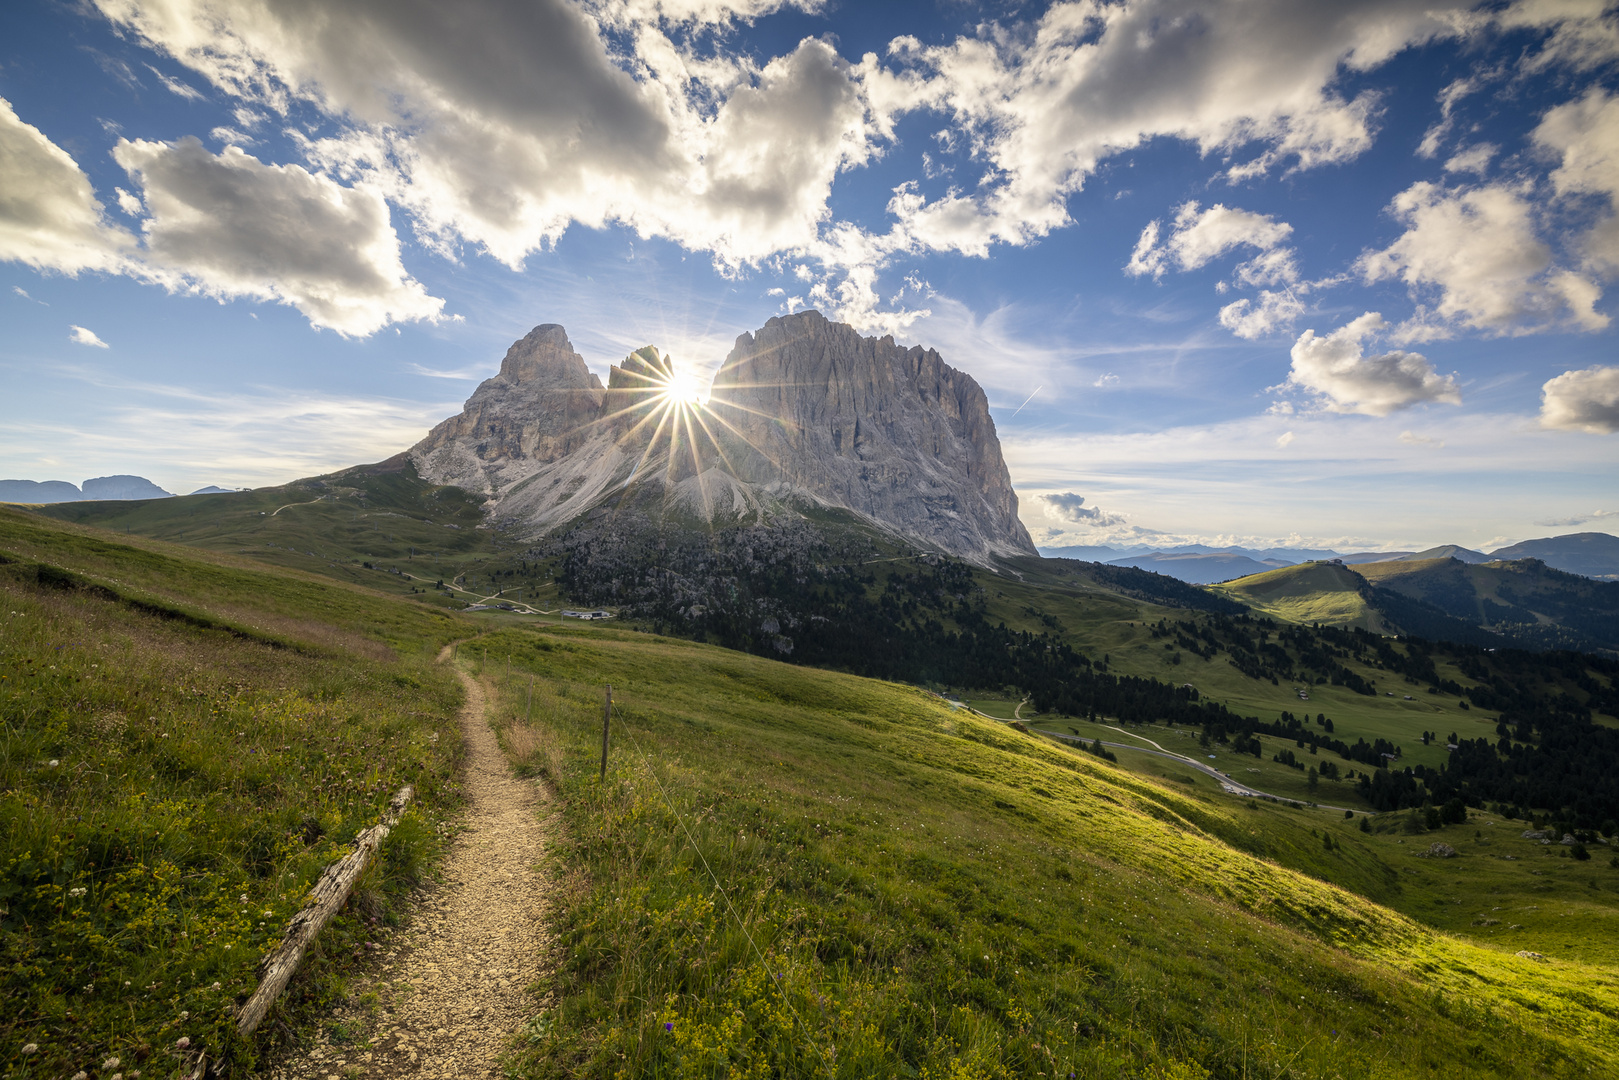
(587, 615)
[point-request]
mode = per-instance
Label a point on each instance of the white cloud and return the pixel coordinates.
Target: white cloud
(1284, 440)
(1198, 237)
(1069, 507)
(175, 86)
(1411, 438)
(1585, 135)
(1043, 108)
(49, 216)
(81, 336)
(1435, 136)
(1585, 400)
(1336, 368)
(1476, 252)
(1276, 310)
(1580, 519)
(129, 203)
(1475, 159)
(232, 226)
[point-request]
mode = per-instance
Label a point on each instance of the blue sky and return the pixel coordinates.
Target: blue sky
(1331, 275)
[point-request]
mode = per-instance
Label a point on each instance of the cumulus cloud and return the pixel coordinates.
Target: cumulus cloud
(1197, 237)
(1069, 507)
(1411, 438)
(499, 124)
(49, 216)
(81, 336)
(1276, 310)
(1089, 81)
(1336, 368)
(1585, 400)
(1585, 136)
(232, 226)
(1476, 254)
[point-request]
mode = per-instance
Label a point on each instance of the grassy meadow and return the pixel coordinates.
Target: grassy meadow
(794, 872)
(187, 741)
(788, 871)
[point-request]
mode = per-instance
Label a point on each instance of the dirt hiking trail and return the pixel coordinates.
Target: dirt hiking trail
(451, 987)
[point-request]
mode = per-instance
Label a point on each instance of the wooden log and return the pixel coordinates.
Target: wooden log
(325, 900)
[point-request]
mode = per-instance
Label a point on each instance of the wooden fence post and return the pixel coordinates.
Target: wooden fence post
(607, 712)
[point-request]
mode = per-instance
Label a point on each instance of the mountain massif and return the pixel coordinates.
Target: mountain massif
(804, 411)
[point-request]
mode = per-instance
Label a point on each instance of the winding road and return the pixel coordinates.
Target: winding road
(1228, 785)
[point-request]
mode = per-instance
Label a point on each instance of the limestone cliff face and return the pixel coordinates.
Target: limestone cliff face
(803, 408)
(540, 408)
(895, 434)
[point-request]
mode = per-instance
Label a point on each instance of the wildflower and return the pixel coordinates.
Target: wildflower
(81, 1075)
(243, 898)
(183, 1042)
(29, 1048)
(54, 763)
(111, 1063)
(76, 892)
(214, 987)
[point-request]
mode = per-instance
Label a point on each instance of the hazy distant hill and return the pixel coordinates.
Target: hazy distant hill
(1197, 568)
(37, 491)
(1444, 551)
(100, 488)
(1593, 554)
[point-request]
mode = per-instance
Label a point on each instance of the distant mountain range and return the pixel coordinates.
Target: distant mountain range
(1591, 554)
(98, 489)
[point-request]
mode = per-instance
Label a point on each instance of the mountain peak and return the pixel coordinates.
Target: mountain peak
(801, 408)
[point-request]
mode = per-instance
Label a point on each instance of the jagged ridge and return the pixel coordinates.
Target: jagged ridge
(802, 409)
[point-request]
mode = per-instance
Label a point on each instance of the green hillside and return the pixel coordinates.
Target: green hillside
(875, 884)
(1524, 599)
(789, 871)
(377, 525)
(187, 740)
(1314, 592)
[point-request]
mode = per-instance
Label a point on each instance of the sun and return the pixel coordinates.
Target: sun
(684, 388)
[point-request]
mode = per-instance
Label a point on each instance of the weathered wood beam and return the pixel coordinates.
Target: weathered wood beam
(325, 900)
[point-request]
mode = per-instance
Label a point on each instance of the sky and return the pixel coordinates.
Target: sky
(1260, 272)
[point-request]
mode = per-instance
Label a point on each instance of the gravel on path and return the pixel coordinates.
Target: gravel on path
(453, 987)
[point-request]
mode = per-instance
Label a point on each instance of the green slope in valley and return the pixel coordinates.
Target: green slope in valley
(796, 872)
(1314, 592)
(1523, 599)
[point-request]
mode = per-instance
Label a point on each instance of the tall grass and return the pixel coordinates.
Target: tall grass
(172, 780)
(796, 873)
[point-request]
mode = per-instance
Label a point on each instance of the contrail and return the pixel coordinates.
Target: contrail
(1026, 400)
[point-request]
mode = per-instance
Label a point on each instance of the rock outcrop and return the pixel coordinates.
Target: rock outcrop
(802, 409)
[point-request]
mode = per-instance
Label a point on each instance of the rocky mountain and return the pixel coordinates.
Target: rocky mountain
(803, 412)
